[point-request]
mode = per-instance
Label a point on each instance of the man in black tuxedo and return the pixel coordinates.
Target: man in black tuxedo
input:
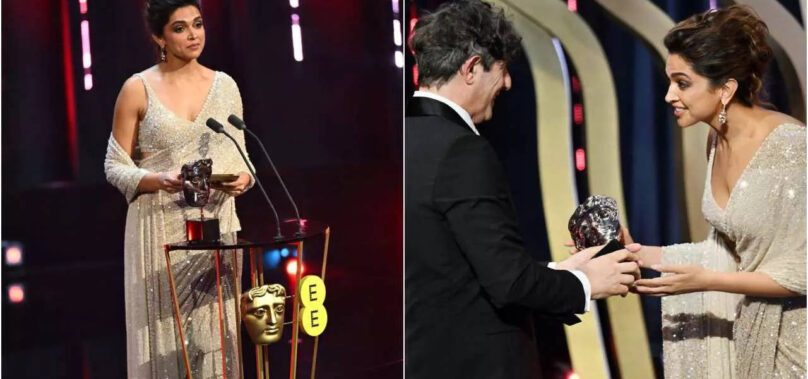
(470, 285)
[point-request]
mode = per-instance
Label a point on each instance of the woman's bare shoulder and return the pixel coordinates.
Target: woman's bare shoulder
(773, 119)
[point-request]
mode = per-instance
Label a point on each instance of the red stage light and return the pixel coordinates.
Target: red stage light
(578, 114)
(291, 267)
(413, 21)
(572, 5)
(16, 294)
(580, 159)
(13, 256)
(572, 375)
(70, 98)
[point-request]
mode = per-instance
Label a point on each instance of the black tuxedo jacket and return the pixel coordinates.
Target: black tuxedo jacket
(470, 285)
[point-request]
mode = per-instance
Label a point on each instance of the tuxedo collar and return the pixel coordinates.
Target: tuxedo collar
(424, 106)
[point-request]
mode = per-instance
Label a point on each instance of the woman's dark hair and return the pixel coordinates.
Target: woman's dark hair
(724, 44)
(159, 11)
(443, 40)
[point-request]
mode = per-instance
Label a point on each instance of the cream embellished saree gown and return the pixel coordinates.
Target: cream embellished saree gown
(156, 219)
(761, 229)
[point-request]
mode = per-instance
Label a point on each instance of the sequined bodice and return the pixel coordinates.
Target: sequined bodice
(161, 128)
(773, 179)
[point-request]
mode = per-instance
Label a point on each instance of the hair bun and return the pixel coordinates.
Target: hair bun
(722, 44)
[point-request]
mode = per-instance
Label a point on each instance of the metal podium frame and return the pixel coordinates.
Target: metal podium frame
(312, 230)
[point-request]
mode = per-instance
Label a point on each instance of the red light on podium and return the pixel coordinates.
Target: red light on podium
(16, 293)
(291, 267)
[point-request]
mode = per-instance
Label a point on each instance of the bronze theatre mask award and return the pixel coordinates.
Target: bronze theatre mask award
(196, 190)
(262, 310)
(596, 222)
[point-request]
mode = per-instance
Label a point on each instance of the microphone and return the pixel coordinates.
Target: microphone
(239, 123)
(219, 128)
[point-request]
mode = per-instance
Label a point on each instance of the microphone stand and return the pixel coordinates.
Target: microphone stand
(219, 128)
(238, 123)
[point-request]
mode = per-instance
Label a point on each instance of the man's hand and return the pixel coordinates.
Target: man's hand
(578, 259)
(611, 274)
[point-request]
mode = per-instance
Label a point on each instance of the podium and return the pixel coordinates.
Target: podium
(282, 261)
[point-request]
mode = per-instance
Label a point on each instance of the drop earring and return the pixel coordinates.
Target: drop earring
(162, 53)
(722, 117)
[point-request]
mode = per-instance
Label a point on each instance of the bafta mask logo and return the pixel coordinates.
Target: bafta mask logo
(262, 311)
(196, 182)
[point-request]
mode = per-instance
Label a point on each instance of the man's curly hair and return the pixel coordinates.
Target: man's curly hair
(441, 41)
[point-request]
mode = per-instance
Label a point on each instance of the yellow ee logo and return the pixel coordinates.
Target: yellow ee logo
(311, 290)
(314, 317)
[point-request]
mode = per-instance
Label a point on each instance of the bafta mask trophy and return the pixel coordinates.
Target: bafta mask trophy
(196, 190)
(596, 222)
(262, 311)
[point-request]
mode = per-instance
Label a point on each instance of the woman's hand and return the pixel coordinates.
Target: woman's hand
(571, 244)
(169, 181)
(236, 187)
(650, 256)
(682, 279)
(624, 236)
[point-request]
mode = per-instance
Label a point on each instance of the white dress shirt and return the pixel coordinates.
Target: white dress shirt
(460, 111)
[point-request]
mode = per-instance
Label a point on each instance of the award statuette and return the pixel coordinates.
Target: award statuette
(196, 190)
(596, 222)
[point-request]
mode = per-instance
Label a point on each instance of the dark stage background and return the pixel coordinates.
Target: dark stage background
(331, 122)
(647, 150)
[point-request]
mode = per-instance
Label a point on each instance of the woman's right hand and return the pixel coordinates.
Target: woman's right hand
(170, 181)
(650, 256)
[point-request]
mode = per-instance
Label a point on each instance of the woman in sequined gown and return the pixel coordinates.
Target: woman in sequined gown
(739, 309)
(159, 125)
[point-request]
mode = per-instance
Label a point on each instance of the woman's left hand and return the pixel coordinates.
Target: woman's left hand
(682, 279)
(236, 187)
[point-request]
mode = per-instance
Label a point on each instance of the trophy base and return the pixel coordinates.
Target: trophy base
(202, 230)
(610, 247)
